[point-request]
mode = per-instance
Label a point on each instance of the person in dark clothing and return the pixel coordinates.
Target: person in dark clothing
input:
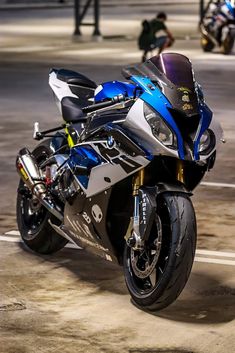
(155, 34)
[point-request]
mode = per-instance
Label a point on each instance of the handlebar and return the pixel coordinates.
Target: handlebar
(117, 99)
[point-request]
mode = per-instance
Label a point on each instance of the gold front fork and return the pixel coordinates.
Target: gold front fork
(180, 171)
(138, 181)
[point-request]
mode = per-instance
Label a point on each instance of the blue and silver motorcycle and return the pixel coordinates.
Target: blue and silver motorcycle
(116, 177)
(218, 26)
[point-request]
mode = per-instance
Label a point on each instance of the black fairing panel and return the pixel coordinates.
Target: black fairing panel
(84, 94)
(86, 219)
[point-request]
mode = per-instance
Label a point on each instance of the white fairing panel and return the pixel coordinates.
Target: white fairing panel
(60, 88)
(138, 126)
(115, 173)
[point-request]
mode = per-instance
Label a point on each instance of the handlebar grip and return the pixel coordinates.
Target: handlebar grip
(91, 108)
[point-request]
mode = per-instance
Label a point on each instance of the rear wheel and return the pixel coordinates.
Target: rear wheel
(156, 275)
(33, 219)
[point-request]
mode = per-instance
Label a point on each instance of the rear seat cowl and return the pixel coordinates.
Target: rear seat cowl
(74, 78)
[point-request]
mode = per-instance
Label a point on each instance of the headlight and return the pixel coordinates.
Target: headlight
(159, 128)
(207, 142)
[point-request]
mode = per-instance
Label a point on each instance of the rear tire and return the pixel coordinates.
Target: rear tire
(163, 285)
(33, 218)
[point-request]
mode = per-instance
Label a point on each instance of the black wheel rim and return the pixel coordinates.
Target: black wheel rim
(144, 286)
(33, 215)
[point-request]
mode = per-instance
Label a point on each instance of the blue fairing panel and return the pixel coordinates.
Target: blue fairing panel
(85, 157)
(230, 7)
(114, 88)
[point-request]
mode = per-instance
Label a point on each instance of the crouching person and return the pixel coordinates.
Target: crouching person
(155, 35)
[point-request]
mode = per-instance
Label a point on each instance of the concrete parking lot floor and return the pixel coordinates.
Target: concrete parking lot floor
(74, 302)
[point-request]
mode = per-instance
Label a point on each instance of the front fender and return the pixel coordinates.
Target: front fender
(167, 187)
(148, 204)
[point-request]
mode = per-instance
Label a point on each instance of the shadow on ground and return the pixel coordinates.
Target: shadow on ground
(204, 300)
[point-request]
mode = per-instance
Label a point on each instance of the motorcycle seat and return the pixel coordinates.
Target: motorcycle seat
(72, 111)
(75, 78)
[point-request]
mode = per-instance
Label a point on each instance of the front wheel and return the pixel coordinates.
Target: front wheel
(156, 275)
(227, 45)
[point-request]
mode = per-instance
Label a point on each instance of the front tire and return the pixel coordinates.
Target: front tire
(155, 282)
(206, 44)
(33, 219)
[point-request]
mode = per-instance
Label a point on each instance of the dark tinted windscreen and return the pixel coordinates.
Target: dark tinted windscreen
(175, 71)
(176, 67)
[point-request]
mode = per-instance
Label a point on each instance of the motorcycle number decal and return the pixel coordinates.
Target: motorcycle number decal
(86, 217)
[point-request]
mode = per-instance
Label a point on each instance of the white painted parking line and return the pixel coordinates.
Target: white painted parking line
(200, 253)
(14, 239)
(13, 232)
(9, 239)
(214, 261)
(215, 253)
(218, 185)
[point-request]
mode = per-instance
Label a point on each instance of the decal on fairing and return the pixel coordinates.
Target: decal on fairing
(89, 240)
(115, 166)
(97, 213)
(114, 156)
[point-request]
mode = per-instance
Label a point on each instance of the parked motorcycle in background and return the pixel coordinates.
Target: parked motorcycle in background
(117, 176)
(218, 26)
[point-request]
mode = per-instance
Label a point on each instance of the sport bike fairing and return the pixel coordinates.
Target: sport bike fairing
(168, 86)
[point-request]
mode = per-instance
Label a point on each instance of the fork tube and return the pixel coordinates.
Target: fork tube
(180, 171)
(138, 181)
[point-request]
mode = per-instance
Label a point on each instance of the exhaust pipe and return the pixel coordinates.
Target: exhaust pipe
(30, 174)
